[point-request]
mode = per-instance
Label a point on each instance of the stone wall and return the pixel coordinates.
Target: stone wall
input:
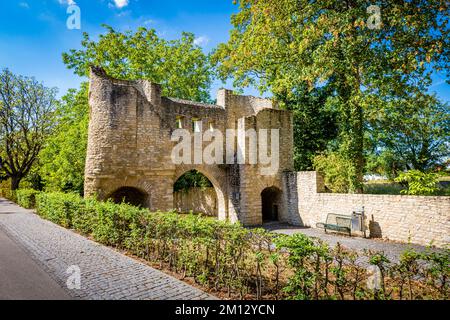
(197, 200)
(421, 220)
(130, 146)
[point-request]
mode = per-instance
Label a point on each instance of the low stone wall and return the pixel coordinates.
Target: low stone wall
(197, 200)
(421, 220)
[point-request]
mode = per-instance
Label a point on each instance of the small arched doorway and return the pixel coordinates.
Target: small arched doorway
(271, 204)
(194, 192)
(129, 195)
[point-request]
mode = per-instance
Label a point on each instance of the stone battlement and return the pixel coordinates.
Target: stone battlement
(129, 156)
(130, 146)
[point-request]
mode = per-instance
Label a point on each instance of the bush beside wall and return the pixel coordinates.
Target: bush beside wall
(27, 198)
(5, 191)
(244, 263)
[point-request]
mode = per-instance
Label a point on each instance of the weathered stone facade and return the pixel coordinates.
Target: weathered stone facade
(197, 200)
(421, 220)
(130, 147)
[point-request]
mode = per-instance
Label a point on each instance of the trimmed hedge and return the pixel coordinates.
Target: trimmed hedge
(247, 263)
(27, 198)
(6, 192)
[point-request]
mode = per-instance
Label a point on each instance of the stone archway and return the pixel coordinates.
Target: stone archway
(194, 192)
(130, 195)
(217, 177)
(271, 204)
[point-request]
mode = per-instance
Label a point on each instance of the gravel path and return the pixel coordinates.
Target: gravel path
(392, 250)
(105, 273)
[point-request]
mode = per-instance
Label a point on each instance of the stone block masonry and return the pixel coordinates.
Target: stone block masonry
(421, 220)
(130, 147)
(129, 155)
(197, 200)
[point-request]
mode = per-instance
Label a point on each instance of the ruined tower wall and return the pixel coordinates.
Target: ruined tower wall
(130, 145)
(122, 152)
(254, 178)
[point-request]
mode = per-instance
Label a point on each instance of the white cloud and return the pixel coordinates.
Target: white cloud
(149, 21)
(123, 14)
(201, 41)
(24, 5)
(121, 3)
(68, 2)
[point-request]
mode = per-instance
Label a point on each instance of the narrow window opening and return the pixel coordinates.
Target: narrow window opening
(196, 125)
(179, 122)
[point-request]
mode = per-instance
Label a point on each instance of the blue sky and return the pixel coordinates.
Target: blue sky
(33, 33)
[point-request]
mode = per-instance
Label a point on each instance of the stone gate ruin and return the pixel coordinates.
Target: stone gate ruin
(130, 147)
(129, 156)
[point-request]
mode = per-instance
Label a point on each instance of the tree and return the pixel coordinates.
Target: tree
(192, 179)
(26, 120)
(279, 44)
(179, 66)
(315, 123)
(411, 133)
(63, 157)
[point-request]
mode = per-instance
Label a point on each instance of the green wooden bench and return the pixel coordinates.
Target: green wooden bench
(337, 223)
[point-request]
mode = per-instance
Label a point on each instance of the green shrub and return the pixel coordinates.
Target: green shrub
(336, 170)
(60, 208)
(6, 192)
(302, 250)
(27, 198)
(114, 223)
(244, 262)
(419, 183)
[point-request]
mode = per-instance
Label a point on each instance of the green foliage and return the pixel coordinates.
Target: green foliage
(438, 273)
(384, 163)
(27, 198)
(419, 183)
(243, 262)
(60, 208)
(279, 45)
(192, 179)
(409, 133)
(315, 124)
(6, 192)
(336, 170)
(179, 65)
(62, 160)
(305, 254)
(26, 120)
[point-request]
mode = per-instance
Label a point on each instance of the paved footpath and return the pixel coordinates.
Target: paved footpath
(21, 278)
(392, 250)
(105, 273)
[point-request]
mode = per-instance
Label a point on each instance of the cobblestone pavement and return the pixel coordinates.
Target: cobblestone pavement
(105, 273)
(392, 250)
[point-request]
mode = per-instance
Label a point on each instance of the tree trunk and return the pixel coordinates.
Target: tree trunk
(15, 182)
(358, 147)
(352, 138)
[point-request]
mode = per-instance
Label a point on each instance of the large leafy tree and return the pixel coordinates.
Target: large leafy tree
(26, 120)
(411, 133)
(62, 160)
(314, 123)
(179, 65)
(278, 45)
